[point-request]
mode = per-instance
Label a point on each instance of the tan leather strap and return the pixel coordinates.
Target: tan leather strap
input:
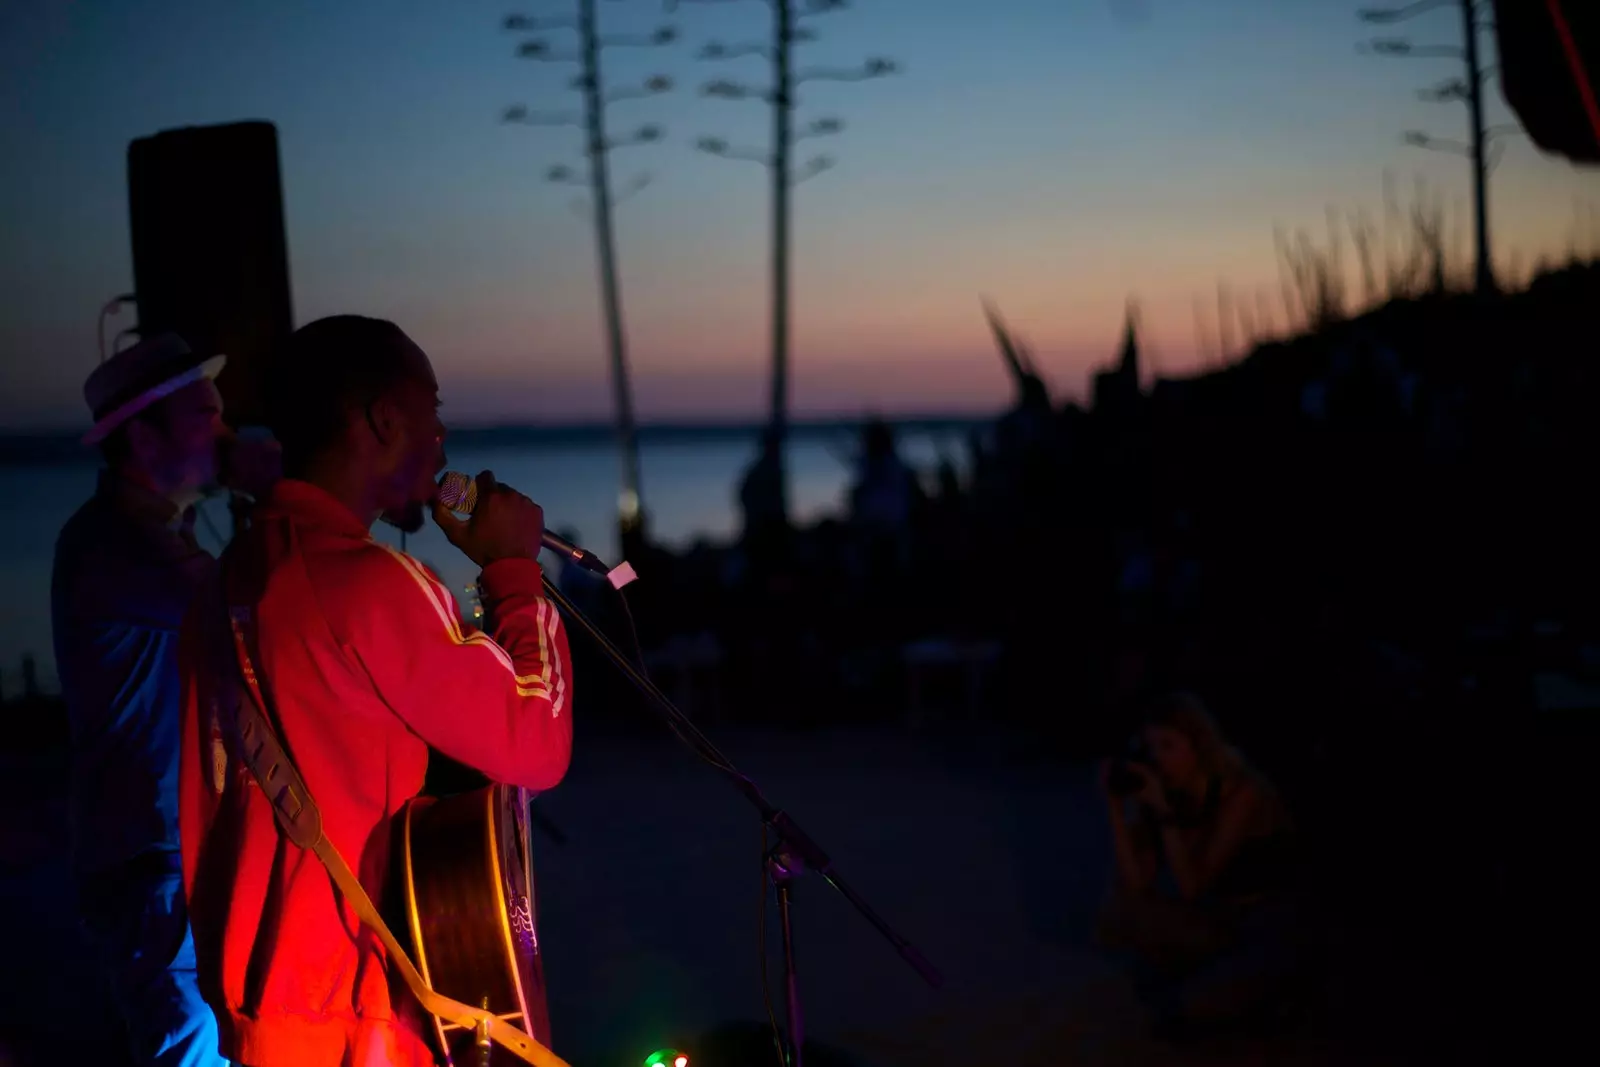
(301, 822)
(500, 1031)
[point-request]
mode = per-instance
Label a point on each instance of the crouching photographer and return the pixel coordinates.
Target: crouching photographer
(1203, 888)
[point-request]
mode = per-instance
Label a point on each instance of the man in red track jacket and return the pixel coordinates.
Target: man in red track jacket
(367, 664)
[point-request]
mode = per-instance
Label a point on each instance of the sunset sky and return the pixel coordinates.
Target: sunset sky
(1058, 155)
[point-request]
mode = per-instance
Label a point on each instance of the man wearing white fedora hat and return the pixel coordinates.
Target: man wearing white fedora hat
(126, 566)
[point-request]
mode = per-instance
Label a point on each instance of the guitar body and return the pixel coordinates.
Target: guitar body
(467, 884)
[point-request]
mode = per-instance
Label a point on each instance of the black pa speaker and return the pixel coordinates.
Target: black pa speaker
(1550, 72)
(205, 206)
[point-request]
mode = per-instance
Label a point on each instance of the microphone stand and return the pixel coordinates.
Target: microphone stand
(793, 852)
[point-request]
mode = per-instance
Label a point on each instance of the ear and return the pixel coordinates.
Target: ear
(384, 416)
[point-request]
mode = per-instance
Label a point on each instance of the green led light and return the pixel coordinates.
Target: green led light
(666, 1057)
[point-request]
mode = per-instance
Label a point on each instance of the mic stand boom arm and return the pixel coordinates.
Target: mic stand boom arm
(794, 851)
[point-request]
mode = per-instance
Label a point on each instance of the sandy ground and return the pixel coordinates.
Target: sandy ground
(991, 862)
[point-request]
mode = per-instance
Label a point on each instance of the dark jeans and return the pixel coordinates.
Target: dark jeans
(1207, 964)
(136, 920)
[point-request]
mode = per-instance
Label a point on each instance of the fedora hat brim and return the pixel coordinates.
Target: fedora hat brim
(103, 427)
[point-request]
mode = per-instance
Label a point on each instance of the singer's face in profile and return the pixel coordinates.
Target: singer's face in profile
(416, 449)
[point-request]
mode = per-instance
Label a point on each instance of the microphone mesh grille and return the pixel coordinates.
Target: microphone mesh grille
(458, 492)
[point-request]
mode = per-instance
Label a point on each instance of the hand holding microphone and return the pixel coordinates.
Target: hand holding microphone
(249, 465)
(505, 524)
(501, 522)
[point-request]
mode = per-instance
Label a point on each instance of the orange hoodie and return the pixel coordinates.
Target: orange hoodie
(367, 664)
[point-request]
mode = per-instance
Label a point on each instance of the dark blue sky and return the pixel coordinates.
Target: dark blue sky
(1060, 156)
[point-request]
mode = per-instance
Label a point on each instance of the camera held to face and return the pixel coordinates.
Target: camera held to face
(1124, 778)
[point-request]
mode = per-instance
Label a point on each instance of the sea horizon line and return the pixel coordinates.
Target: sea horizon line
(63, 445)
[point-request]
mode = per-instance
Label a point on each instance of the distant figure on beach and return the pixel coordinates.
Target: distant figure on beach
(126, 567)
(884, 501)
(881, 498)
(1203, 886)
(761, 502)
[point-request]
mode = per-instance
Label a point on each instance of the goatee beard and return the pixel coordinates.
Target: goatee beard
(408, 519)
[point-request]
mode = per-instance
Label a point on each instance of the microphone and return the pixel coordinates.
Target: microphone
(459, 493)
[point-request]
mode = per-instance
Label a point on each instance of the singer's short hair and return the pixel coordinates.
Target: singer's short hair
(327, 374)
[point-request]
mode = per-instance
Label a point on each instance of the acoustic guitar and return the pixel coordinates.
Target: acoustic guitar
(466, 883)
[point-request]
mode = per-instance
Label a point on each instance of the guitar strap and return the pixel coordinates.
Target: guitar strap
(301, 822)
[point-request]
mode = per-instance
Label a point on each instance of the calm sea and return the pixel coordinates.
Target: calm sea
(689, 489)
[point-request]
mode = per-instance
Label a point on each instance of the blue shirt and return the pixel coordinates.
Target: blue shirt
(126, 568)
